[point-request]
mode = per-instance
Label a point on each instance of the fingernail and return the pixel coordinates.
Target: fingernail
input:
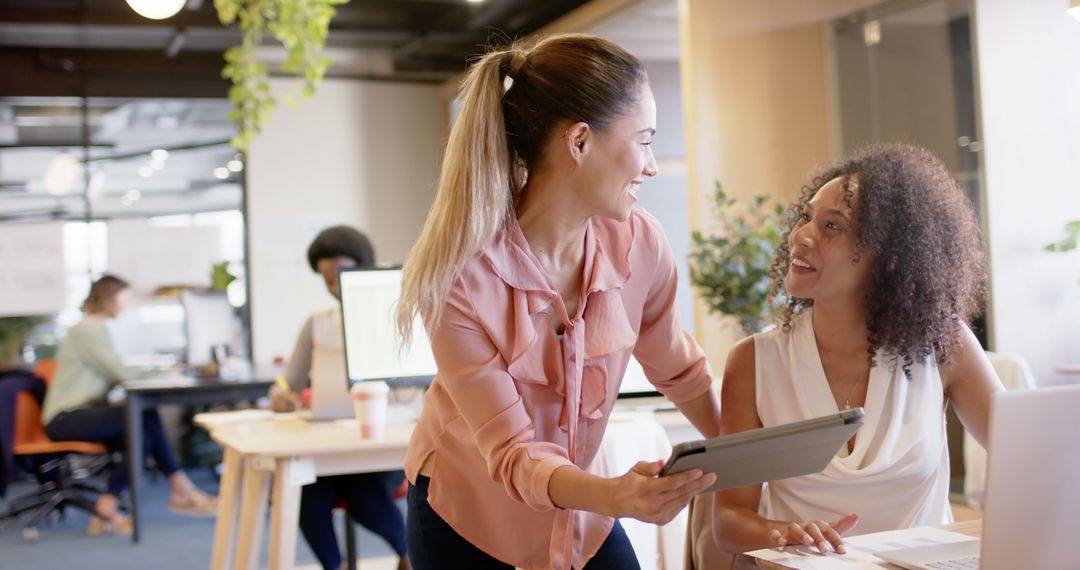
(807, 539)
(841, 549)
(824, 548)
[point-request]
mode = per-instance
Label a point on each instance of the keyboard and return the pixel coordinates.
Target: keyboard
(969, 563)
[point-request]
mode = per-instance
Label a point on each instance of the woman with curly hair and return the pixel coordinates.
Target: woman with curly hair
(882, 269)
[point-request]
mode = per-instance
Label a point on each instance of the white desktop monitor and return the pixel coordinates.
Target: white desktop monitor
(369, 298)
(209, 321)
(635, 384)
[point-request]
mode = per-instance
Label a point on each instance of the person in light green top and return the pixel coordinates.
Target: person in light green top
(76, 409)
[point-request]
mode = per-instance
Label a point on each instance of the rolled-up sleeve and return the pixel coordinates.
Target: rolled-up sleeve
(671, 359)
(474, 374)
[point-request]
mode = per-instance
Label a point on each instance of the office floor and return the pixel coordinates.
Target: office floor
(169, 541)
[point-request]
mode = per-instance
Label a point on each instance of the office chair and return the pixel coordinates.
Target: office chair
(60, 483)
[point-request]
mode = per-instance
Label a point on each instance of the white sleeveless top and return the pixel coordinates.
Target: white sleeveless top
(897, 474)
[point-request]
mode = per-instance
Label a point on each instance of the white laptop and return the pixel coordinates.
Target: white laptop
(330, 398)
(1032, 491)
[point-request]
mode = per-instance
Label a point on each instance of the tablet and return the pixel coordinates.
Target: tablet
(767, 454)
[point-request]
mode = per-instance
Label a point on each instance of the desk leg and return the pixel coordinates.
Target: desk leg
(255, 489)
(133, 425)
(228, 503)
(284, 516)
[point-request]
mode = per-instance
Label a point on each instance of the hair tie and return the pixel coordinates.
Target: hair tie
(510, 65)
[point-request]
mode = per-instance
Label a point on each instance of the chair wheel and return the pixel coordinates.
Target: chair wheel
(30, 535)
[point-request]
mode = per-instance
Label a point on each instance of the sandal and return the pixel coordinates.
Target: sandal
(114, 524)
(195, 503)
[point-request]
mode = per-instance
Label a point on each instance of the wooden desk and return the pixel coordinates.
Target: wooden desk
(291, 452)
(971, 528)
(146, 394)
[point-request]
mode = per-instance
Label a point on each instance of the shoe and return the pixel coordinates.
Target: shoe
(116, 524)
(195, 504)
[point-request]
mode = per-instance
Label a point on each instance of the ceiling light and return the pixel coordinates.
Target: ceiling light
(133, 194)
(1074, 9)
(156, 9)
(474, 1)
(62, 174)
(235, 165)
(146, 171)
(157, 164)
(159, 154)
(221, 173)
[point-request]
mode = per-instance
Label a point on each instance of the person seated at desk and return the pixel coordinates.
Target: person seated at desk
(75, 408)
(882, 269)
(368, 495)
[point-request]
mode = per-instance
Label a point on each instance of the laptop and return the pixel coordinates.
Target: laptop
(1031, 517)
(330, 399)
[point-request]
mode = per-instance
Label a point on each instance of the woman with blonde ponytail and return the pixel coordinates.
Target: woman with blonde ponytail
(537, 277)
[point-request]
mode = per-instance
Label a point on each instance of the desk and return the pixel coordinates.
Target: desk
(291, 452)
(971, 528)
(145, 394)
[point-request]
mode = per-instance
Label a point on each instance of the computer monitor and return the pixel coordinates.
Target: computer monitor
(369, 299)
(635, 384)
(209, 321)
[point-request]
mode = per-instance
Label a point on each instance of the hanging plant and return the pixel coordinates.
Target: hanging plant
(301, 26)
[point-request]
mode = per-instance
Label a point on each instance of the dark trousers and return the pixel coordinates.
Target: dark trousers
(105, 425)
(433, 544)
(370, 498)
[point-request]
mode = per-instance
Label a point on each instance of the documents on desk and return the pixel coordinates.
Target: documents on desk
(860, 550)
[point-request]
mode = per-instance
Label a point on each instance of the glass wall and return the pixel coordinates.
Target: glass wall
(148, 189)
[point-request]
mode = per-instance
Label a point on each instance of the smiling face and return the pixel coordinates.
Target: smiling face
(618, 160)
(822, 263)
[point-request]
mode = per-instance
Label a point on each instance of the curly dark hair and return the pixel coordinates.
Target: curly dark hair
(341, 241)
(927, 273)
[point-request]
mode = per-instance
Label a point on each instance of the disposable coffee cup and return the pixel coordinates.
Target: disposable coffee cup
(370, 400)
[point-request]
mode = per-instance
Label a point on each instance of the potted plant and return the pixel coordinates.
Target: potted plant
(13, 332)
(1069, 242)
(730, 268)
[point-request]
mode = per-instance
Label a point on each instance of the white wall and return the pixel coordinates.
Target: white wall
(1029, 75)
(360, 153)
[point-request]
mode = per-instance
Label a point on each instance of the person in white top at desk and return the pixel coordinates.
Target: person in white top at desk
(368, 495)
(76, 409)
(882, 268)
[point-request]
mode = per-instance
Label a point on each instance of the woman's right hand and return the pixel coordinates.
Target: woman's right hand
(642, 494)
(281, 401)
(819, 533)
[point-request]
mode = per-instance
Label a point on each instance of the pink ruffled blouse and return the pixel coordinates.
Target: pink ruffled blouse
(513, 400)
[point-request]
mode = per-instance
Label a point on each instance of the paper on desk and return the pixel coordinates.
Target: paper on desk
(860, 550)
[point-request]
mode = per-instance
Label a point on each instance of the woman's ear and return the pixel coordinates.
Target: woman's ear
(576, 139)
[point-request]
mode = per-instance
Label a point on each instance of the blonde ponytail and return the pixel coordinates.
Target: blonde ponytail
(499, 135)
(474, 198)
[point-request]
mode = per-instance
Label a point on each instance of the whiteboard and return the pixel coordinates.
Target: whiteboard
(149, 256)
(32, 272)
